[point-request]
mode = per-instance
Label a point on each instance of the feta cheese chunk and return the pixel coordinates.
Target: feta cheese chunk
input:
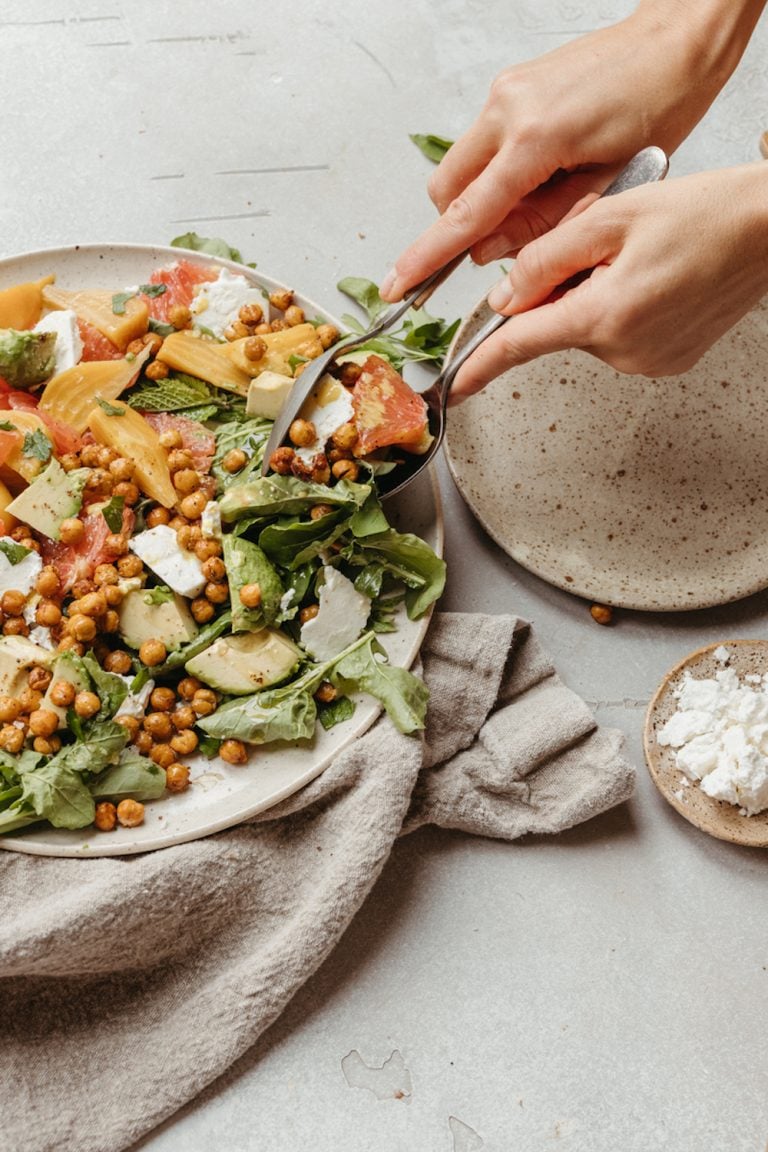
(328, 406)
(69, 347)
(135, 703)
(217, 303)
(210, 521)
(267, 393)
(342, 616)
(159, 549)
(20, 577)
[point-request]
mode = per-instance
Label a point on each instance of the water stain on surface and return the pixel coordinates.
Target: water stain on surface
(390, 1081)
(465, 1139)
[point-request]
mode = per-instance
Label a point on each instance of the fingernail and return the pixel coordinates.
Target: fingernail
(388, 282)
(500, 296)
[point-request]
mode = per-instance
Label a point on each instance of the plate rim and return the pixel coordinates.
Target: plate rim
(16, 842)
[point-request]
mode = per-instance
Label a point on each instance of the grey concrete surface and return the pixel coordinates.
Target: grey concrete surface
(597, 992)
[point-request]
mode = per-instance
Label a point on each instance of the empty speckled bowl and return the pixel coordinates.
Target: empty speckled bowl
(649, 494)
(716, 817)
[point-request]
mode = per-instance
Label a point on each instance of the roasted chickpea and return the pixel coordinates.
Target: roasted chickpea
(179, 316)
(176, 777)
(281, 460)
(93, 604)
(118, 661)
(162, 754)
(326, 692)
(184, 742)
(129, 565)
(43, 722)
(345, 436)
(69, 461)
(39, 678)
(89, 455)
(159, 726)
(233, 751)
(82, 628)
(47, 745)
(302, 433)
(121, 469)
(15, 626)
(601, 614)
(294, 315)
(86, 704)
(317, 511)
(250, 595)
(327, 334)
(179, 457)
(207, 549)
(105, 818)
(187, 687)
(183, 717)
(216, 593)
(105, 457)
(152, 653)
(204, 702)
(234, 460)
(99, 482)
(202, 610)
(143, 742)
(10, 709)
(70, 644)
(162, 699)
(184, 536)
(82, 588)
(278, 326)
(349, 374)
(30, 698)
(345, 470)
(113, 595)
(308, 613)
(12, 602)
(48, 583)
(157, 515)
(130, 813)
(186, 480)
(192, 506)
(171, 440)
(250, 315)
(255, 348)
(321, 470)
(105, 574)
(262, 329)
(281, 299)
(156, 370)
(129, 492)
(131, 725)
(214, 568)
(237, 331)
(110, 621)
(115, 544)
(11, 738)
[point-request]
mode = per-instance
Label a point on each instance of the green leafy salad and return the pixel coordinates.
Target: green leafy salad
(160, 599)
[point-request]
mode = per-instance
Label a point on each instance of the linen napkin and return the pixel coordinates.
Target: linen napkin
(129, 984)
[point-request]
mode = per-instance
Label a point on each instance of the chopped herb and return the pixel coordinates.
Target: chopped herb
(153, 289)
(119, 301)
(159, 595)
(113, 513)
(110, 409)
(7, 426)
(294, 361)
(13, 551)
(37, 445)
(433, 147)
(161, 328)
(421, 337)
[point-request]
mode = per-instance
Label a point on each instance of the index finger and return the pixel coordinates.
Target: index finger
(479, 210)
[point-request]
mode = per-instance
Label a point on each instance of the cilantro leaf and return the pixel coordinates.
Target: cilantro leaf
(37, 445)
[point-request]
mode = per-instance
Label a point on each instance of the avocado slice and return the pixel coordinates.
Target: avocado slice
(152, 613)
(26, 358)
(66, 667)
(247, 662)
(52, 497)
(17, 656)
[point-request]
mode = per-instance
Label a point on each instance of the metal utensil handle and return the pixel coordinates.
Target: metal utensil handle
(416, 298)
(645, 167)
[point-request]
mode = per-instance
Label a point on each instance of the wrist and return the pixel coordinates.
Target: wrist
(713, 33)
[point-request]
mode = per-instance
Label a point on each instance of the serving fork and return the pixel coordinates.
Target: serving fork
(645, 167)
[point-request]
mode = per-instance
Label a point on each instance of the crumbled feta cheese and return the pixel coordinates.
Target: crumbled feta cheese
(328, 406)
(159, 549)
(42, 637)
(719, 734)
(343, 613)
(135, 703)
(210, 521)
(287, 599)
(217, 303)
(20, 577)
(69, 346)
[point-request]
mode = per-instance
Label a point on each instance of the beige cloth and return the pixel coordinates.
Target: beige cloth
(130, 984)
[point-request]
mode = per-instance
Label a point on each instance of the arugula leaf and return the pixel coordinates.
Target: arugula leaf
(269, 715)
(212, 246)
(113, 513)
(205, 637)
(13, 551)
(208, 746)
(246, 563)
(407, 558)
(251, 437)
(102, 743)
(37, 445)
(370, 519)
(433, 147)
(110, 688)
(54, 791)
(422, 337)
(338, 710)
(272, 495)
(403, 695)
(133, 775)
(291, 543)
(365, 293)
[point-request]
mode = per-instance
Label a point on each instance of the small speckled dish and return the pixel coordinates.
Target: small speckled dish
(647, 494)
(716, 817)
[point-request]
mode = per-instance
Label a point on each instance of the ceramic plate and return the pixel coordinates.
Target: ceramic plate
(649, 494)
(221, 795)
(716, 817)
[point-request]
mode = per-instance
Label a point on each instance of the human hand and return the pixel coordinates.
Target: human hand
(675, 266)
(563, 125)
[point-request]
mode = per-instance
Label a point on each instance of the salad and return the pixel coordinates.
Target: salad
(160, 600)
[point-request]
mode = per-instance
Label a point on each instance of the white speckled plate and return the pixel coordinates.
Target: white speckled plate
(221, 795)
(649, 494)
(716, 817)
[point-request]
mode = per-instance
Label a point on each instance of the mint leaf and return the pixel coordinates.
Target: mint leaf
(113, 513)
(433, 147)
